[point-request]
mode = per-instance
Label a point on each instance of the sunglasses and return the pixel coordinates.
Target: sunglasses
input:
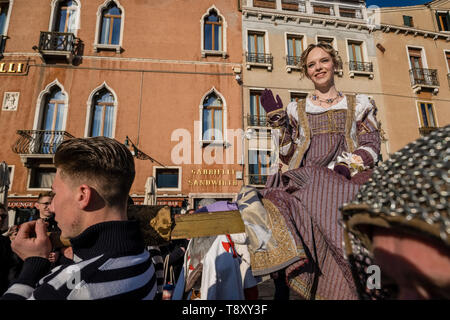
(45, 203)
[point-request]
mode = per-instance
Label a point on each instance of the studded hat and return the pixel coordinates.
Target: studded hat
(408, 192)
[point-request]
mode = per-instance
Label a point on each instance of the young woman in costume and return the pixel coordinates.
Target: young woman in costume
(330, 142)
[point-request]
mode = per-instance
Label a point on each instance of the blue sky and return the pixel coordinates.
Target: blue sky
(395, 3)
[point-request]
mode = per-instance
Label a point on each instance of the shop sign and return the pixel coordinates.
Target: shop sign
(213, 177)
(16, 67)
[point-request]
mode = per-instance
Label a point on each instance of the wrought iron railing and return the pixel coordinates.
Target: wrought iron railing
(293, 60)
(426, 130)
(39, 141)
(258, 179)
(420, 76)
(57, 41)
(2, 44)
(271, 4)
(260, 121)
(361, 66)
(265, 58)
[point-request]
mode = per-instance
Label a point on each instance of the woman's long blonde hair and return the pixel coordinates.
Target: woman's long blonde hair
(324, 46)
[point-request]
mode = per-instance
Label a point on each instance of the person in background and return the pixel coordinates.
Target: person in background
(6, 254)
(43, 206)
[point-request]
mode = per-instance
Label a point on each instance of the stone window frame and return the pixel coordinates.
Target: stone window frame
(8, 17)
(99, 46)
(89, 109)
(180, 175)
(41, 101)
(53, 15)
(205, 52)
(224, 119)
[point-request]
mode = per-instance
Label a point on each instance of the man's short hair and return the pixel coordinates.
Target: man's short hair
(45, 194)
(102, 161)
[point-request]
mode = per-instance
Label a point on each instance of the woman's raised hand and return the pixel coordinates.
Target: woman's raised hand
(269, 103)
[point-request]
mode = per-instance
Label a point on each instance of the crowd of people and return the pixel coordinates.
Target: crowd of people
(323, 220)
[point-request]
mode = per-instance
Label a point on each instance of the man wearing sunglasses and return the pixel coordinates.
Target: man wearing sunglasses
(43, 205)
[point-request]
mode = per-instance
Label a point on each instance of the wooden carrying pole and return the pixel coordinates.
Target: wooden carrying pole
(159, 228)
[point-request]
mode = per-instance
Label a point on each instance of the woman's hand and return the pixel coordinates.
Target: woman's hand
(269, 103)
(343, 170)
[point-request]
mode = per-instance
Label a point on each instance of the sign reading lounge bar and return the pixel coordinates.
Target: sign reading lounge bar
(213, 177)
(14, 67)
(24, 202)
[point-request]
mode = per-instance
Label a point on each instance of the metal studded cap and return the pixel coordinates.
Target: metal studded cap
(410, 191)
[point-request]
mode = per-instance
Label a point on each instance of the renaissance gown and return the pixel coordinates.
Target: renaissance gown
(307, 241)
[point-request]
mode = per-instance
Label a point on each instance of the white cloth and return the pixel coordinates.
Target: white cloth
(221, 276)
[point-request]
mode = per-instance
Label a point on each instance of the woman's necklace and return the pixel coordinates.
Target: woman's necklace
(329, 100)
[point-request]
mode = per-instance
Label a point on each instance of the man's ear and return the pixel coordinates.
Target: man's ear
(36, 204)
(84, 195)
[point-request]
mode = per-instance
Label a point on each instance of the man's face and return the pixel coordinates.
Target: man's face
(414, 267)
(43, 205)
(65, 207)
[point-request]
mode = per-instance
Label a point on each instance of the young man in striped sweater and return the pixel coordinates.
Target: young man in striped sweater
(91, 186)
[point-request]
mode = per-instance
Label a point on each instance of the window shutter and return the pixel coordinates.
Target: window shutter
(438, 21)
(447, 17)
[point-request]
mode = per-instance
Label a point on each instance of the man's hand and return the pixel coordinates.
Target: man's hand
(25, 245)
(53, 256)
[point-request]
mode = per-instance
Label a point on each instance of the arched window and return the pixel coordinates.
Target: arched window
(102, 114)
(213, 31)
(66, 19)
(52, 122)
(110, 25)
(53, 113)
(212, 127)
(4, 7)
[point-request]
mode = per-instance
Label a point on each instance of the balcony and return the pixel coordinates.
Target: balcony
(259, 60)
(257, 179)
(257, 121)
(2, 45)
(424, 79)
(292, 63)
(360, 68)
(39, 143)
(58, 45)
(427, 130)
(269, 4)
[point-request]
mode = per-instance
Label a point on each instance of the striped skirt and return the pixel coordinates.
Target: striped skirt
(309, 199)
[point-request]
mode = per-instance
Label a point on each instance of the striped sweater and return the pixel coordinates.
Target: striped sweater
(110, 262)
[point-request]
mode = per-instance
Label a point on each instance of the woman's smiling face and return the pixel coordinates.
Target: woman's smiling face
(320, 67)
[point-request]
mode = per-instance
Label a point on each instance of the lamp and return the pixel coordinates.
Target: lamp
(138, 153)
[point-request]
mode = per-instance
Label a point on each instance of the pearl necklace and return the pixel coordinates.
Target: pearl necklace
(329, 100)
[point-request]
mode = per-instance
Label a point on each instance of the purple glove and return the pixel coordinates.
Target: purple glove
(268, 102)
(342, 170)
